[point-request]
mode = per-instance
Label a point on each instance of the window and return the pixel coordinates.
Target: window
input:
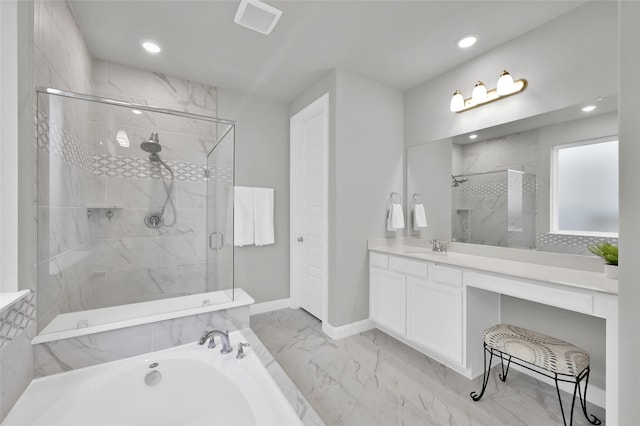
(585, 188)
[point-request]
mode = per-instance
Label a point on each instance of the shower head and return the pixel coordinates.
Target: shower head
(152, 146)
(455, 182)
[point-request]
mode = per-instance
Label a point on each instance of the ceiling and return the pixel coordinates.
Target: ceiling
(394, 42)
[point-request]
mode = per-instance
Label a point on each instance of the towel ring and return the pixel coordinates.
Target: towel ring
(393, 199)
(417, 198)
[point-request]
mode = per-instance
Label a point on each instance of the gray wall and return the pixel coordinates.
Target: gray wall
(557, 79)
(629, 206)
(262, 159)
(366, 165)
(555, 72)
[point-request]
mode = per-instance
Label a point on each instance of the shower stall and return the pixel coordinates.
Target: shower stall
(134, 204)
(494, 208)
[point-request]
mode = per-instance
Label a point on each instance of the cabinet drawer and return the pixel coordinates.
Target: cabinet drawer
(409, 267)
(445, 275)
(378, 260)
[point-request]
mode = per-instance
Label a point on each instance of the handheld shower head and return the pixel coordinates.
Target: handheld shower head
(152, 146)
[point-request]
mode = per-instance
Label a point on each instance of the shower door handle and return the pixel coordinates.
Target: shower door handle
(220, 240)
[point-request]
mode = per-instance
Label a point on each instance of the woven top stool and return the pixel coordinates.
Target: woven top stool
(551, 357)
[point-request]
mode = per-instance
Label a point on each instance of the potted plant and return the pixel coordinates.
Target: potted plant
(609, 253)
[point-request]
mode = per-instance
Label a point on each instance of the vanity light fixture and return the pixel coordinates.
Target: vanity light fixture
(151, 47)
(480, 96)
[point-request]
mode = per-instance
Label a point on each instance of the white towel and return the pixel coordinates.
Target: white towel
(243, 228)
(419, 217)
(395, 219)
(263, 216)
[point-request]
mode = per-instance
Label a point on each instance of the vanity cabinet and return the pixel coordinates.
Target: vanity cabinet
(387, 303)
(421, 303)
(434, 316)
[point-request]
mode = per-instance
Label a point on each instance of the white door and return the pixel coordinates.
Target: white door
(309, 154)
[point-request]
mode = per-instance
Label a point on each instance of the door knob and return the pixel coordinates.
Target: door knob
(300, 239)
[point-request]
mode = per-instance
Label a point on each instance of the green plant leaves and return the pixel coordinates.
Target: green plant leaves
(607, 251)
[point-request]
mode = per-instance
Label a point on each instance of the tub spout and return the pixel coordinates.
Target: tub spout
(224, 337)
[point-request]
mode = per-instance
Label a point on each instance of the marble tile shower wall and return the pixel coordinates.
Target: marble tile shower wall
(65, 185)
(89, 262)
(130, 262)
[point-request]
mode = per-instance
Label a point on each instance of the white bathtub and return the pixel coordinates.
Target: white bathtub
(199, 386)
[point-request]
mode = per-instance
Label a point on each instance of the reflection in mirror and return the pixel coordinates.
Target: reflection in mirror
(498, 183)
(494, 208)
(501, 186)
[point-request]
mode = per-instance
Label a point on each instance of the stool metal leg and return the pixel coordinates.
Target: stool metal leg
(583, 401)
(503, 376)
(485, 376)
(564, 420)
(583, 398)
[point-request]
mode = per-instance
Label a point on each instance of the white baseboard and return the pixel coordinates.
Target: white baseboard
(337, 333)
(595, 395)
(272, 305)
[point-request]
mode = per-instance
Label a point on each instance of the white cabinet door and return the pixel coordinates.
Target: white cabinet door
(434, 317)
(388, 300)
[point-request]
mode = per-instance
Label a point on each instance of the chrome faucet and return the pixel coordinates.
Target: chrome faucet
(439, 246)
(224, 337)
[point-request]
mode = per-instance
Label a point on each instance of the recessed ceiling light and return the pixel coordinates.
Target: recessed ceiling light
(467, 41)
(151, 47)
(589, 108)
(473, 136)
(136, 111)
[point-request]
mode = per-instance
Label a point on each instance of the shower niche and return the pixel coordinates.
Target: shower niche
(134, 204)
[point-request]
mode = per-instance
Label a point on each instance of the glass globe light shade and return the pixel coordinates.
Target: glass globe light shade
(457, 102)
(505, 83)
(479, 94)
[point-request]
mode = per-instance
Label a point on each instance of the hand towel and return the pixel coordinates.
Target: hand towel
(395, 219)
(419, 217)
(243, 228)
(263, 216)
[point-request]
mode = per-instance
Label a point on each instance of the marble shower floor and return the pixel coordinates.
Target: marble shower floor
(371, 379)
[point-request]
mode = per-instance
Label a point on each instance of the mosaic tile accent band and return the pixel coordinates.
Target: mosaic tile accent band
(17, 318)
(62, 144)
(499, 188)
(572, 240)
(127, 167)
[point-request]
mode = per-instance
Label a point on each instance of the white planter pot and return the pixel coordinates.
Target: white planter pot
(611, 271)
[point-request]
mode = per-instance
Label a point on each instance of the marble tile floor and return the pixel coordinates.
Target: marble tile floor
(374, 380)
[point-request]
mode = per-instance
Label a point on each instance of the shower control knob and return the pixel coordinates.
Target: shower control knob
(300, 239)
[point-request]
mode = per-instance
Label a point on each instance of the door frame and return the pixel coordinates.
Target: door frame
(320, 105)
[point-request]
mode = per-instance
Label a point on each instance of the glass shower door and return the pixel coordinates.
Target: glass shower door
(220, 182)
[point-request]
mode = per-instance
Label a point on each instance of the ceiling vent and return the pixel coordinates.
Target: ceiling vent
(257, 16)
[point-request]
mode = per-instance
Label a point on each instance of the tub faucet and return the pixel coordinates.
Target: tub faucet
(224, 337)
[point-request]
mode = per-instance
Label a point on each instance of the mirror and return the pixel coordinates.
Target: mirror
(497, 180)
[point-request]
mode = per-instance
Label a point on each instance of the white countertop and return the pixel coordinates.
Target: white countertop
(589, 280)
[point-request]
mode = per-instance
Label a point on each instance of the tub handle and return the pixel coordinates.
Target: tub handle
(241, 353)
